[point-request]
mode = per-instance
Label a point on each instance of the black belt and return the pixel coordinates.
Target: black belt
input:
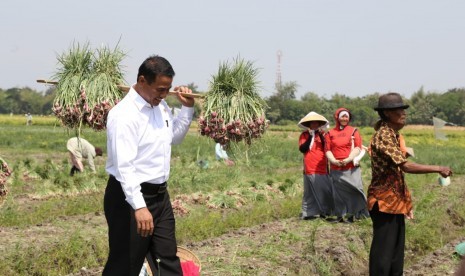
(152, 189)
(149, 188)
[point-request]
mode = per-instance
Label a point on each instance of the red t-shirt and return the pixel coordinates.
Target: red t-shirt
(339, 142)
(315, 161)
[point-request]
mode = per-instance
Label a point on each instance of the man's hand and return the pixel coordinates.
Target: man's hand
(445, 172)
(185, 101)
(144, 222)
(409, 215)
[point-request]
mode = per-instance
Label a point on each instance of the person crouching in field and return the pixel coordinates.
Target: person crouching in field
(317, 198)
(389, 199)
(222, 155)
(79, 149)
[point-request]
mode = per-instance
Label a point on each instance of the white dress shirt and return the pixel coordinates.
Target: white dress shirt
(139, 139)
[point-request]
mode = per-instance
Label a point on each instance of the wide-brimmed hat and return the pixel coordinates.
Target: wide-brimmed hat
(390, 101)
(312, 117)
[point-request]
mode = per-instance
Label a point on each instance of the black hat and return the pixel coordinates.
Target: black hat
(390, 101)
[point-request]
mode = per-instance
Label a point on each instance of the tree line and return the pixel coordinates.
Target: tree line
(284, 108)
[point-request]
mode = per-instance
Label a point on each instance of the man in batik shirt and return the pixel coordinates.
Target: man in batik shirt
(389, 199)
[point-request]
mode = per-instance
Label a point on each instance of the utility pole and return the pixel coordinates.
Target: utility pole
(278, 71)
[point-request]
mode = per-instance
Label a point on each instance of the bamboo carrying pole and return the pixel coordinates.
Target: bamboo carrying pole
(125, 89)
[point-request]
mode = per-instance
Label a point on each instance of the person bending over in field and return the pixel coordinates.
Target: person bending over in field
(222, 155)
(79, 149)
(389, 199)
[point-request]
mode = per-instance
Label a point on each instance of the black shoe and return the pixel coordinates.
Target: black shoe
(309, 218)
(349, 220)
(322, 217)
(336, 220)
(330, 219)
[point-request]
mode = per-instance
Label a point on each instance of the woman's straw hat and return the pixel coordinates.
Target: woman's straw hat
(312, 117)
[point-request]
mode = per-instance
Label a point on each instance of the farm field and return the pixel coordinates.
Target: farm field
(240, 220)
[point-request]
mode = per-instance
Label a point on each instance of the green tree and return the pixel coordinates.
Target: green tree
(422, 107)
(452, 105)
(313, 102)
(281, 101)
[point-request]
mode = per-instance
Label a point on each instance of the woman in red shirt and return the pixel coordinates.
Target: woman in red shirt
(317, 198)
(343, 144)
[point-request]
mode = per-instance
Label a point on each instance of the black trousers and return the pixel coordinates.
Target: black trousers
(127, 248)
(74, 170)
(387, 247)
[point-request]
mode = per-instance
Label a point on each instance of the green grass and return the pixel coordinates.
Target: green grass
(266, 181)
(74, 251)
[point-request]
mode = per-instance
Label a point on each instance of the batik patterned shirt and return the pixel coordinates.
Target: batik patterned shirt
(388, 186)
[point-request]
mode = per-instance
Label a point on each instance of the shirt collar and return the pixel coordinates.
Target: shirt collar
(138, 100)
(386, 125)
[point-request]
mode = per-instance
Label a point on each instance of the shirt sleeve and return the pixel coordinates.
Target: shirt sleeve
(181, 124)
(88, 151)
(90, 160)
(303, 137)
(304, 141)
(328, 141)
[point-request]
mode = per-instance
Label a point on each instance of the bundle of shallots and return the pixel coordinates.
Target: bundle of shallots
(74, 72)
(233, 111)
(5, 172)
(102, 92)
(87, 86)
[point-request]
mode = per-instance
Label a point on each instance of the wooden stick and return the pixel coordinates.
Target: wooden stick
(125, 89)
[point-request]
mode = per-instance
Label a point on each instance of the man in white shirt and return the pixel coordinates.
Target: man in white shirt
(140, 132)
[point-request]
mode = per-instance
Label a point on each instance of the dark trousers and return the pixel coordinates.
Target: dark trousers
(74, 170)
(127, 248)
(387, 247)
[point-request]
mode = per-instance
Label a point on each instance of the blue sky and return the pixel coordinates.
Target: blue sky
(348, 47)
